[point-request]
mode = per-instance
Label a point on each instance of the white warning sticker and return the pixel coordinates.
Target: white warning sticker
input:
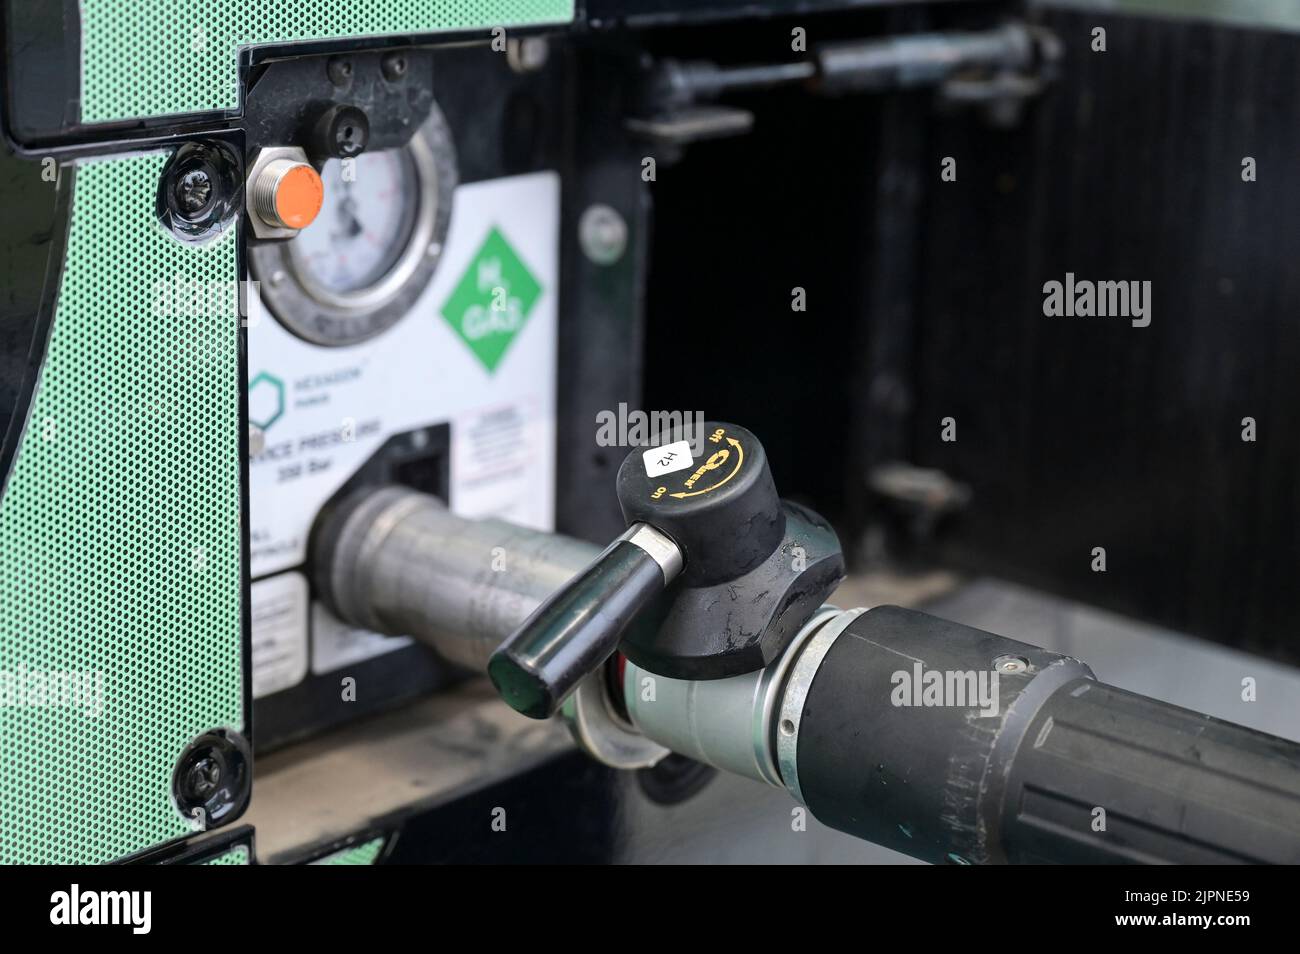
(667, 459)
(335, 644)
(279, 613)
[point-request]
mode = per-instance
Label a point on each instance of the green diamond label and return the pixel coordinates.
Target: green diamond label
(491, 302)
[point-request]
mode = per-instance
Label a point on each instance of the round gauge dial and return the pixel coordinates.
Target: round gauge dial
(364, 225)
(362, 264)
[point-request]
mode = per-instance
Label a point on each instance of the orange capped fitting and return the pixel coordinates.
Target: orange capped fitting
(288, 194)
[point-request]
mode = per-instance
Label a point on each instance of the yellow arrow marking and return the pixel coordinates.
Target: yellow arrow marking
(740, 459)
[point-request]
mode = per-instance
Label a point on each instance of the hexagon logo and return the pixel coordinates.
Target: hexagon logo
(265, 400)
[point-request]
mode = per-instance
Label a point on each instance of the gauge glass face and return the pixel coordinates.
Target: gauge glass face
(364, 225)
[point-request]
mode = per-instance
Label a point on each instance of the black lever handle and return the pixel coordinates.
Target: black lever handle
(574, 631)
(700, 505)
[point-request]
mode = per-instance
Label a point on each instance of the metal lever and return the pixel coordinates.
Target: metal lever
(574, 631)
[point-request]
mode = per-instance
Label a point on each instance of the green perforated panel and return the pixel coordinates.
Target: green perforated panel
(235, 856)
(144, 58)
(120, 535)
(363, 854)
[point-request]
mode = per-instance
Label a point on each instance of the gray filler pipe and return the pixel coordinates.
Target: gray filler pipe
(938, 783)
(398, 562)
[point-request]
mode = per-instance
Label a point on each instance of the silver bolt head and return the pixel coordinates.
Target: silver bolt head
(1011, 664)
(528, 54)
(602, 233)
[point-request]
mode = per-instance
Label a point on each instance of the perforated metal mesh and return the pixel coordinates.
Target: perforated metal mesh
(120, 533)
(235, 856)
(365, 853)
(144, 58)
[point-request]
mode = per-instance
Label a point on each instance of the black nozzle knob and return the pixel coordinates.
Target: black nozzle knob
(710, 489)
(746, 571)
(573, 632)
(756, 567)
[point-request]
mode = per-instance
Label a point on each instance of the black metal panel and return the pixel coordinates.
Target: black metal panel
(822, 195)
(564, 811)
(42, 79)
(503, 123)
(601, 306)
(603, 13)
(1076, 433)
(37, 199)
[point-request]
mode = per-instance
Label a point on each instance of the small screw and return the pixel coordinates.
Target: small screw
(602, 233)
(194, 191)
(339, 71)
(527, 55)
(346, 131)
(1011, 664)
(211, 779)
(203, 777)
(393, 67)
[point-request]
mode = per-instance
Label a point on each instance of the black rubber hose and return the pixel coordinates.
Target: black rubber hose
(1067, 769)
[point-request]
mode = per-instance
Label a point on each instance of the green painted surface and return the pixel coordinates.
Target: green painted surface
(120, 536)
(363, 854)
(144, 58)
(489, 305)
(235, 856)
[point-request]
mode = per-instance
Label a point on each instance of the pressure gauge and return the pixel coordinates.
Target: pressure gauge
(365, 230)
(361, 264)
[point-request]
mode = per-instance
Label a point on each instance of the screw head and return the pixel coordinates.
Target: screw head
(341, 132)
(527, 55)
(351, 133)
(602, 233)
(203, 777)
(211, 780)
(1010, 664)
(200, 190)
(194, 191)
(393, 67)
(339, 71)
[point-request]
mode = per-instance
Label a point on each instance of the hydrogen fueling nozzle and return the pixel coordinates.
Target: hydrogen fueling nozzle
(938, 740)
(713, 578)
